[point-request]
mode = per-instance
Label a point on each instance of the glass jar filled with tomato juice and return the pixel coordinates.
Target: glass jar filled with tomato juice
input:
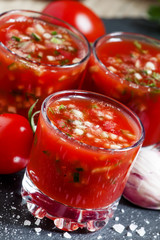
(83, 149)
(39, 55)
(126, 66)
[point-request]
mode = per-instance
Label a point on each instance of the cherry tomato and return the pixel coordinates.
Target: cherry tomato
(79, 16)
(15, 142)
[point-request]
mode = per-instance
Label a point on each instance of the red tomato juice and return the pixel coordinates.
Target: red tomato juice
(37, 58)
(83, 149)
(127, 68)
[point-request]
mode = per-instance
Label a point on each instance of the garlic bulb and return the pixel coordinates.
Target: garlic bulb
(143, 185)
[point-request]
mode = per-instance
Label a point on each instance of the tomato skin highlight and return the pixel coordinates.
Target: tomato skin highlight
(79, 16)
(15, 142)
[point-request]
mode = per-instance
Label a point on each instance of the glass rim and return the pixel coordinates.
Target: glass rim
(102, 97)
(71, 28)
(125, 35)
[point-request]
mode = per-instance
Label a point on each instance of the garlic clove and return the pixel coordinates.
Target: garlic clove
(143, 185)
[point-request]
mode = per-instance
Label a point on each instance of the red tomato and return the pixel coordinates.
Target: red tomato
(79, 16)
(15, 142)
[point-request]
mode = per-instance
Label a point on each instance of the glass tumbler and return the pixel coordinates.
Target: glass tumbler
(39, 55)
(126, 67)
(76, 175)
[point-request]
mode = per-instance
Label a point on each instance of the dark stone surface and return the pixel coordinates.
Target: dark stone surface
(16, 223)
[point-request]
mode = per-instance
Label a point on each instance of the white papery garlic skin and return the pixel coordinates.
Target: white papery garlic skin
(143, 185)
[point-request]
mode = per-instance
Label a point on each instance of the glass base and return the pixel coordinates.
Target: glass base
(65, 217)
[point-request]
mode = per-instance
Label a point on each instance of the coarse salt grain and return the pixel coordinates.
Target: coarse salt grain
(129, 234)
(141, 231)
(132, 227)
(27, 223)
(67, 235)
(37, 222)
(118, 228)
(38, 230)
(116, 218)
(14, 208)
(99, 237)
(147, 221)
(49, 234)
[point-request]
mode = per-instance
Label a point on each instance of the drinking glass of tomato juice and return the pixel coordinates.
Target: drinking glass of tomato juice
(39, 55)
(83, 149)
(126, 66)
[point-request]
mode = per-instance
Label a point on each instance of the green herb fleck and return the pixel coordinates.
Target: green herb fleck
(136, 81)
(16, 38)
(64, 61)
(152, 84)
(145, 71)
(56, 53)
(137, 44)
(139, 47)
(54, 33)
(156, 76)
(129, 79)
(61, 107)
(50, 110)
(69, 135)
(101, 117)
(94, 106)
(29, 56)
(36, 36)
